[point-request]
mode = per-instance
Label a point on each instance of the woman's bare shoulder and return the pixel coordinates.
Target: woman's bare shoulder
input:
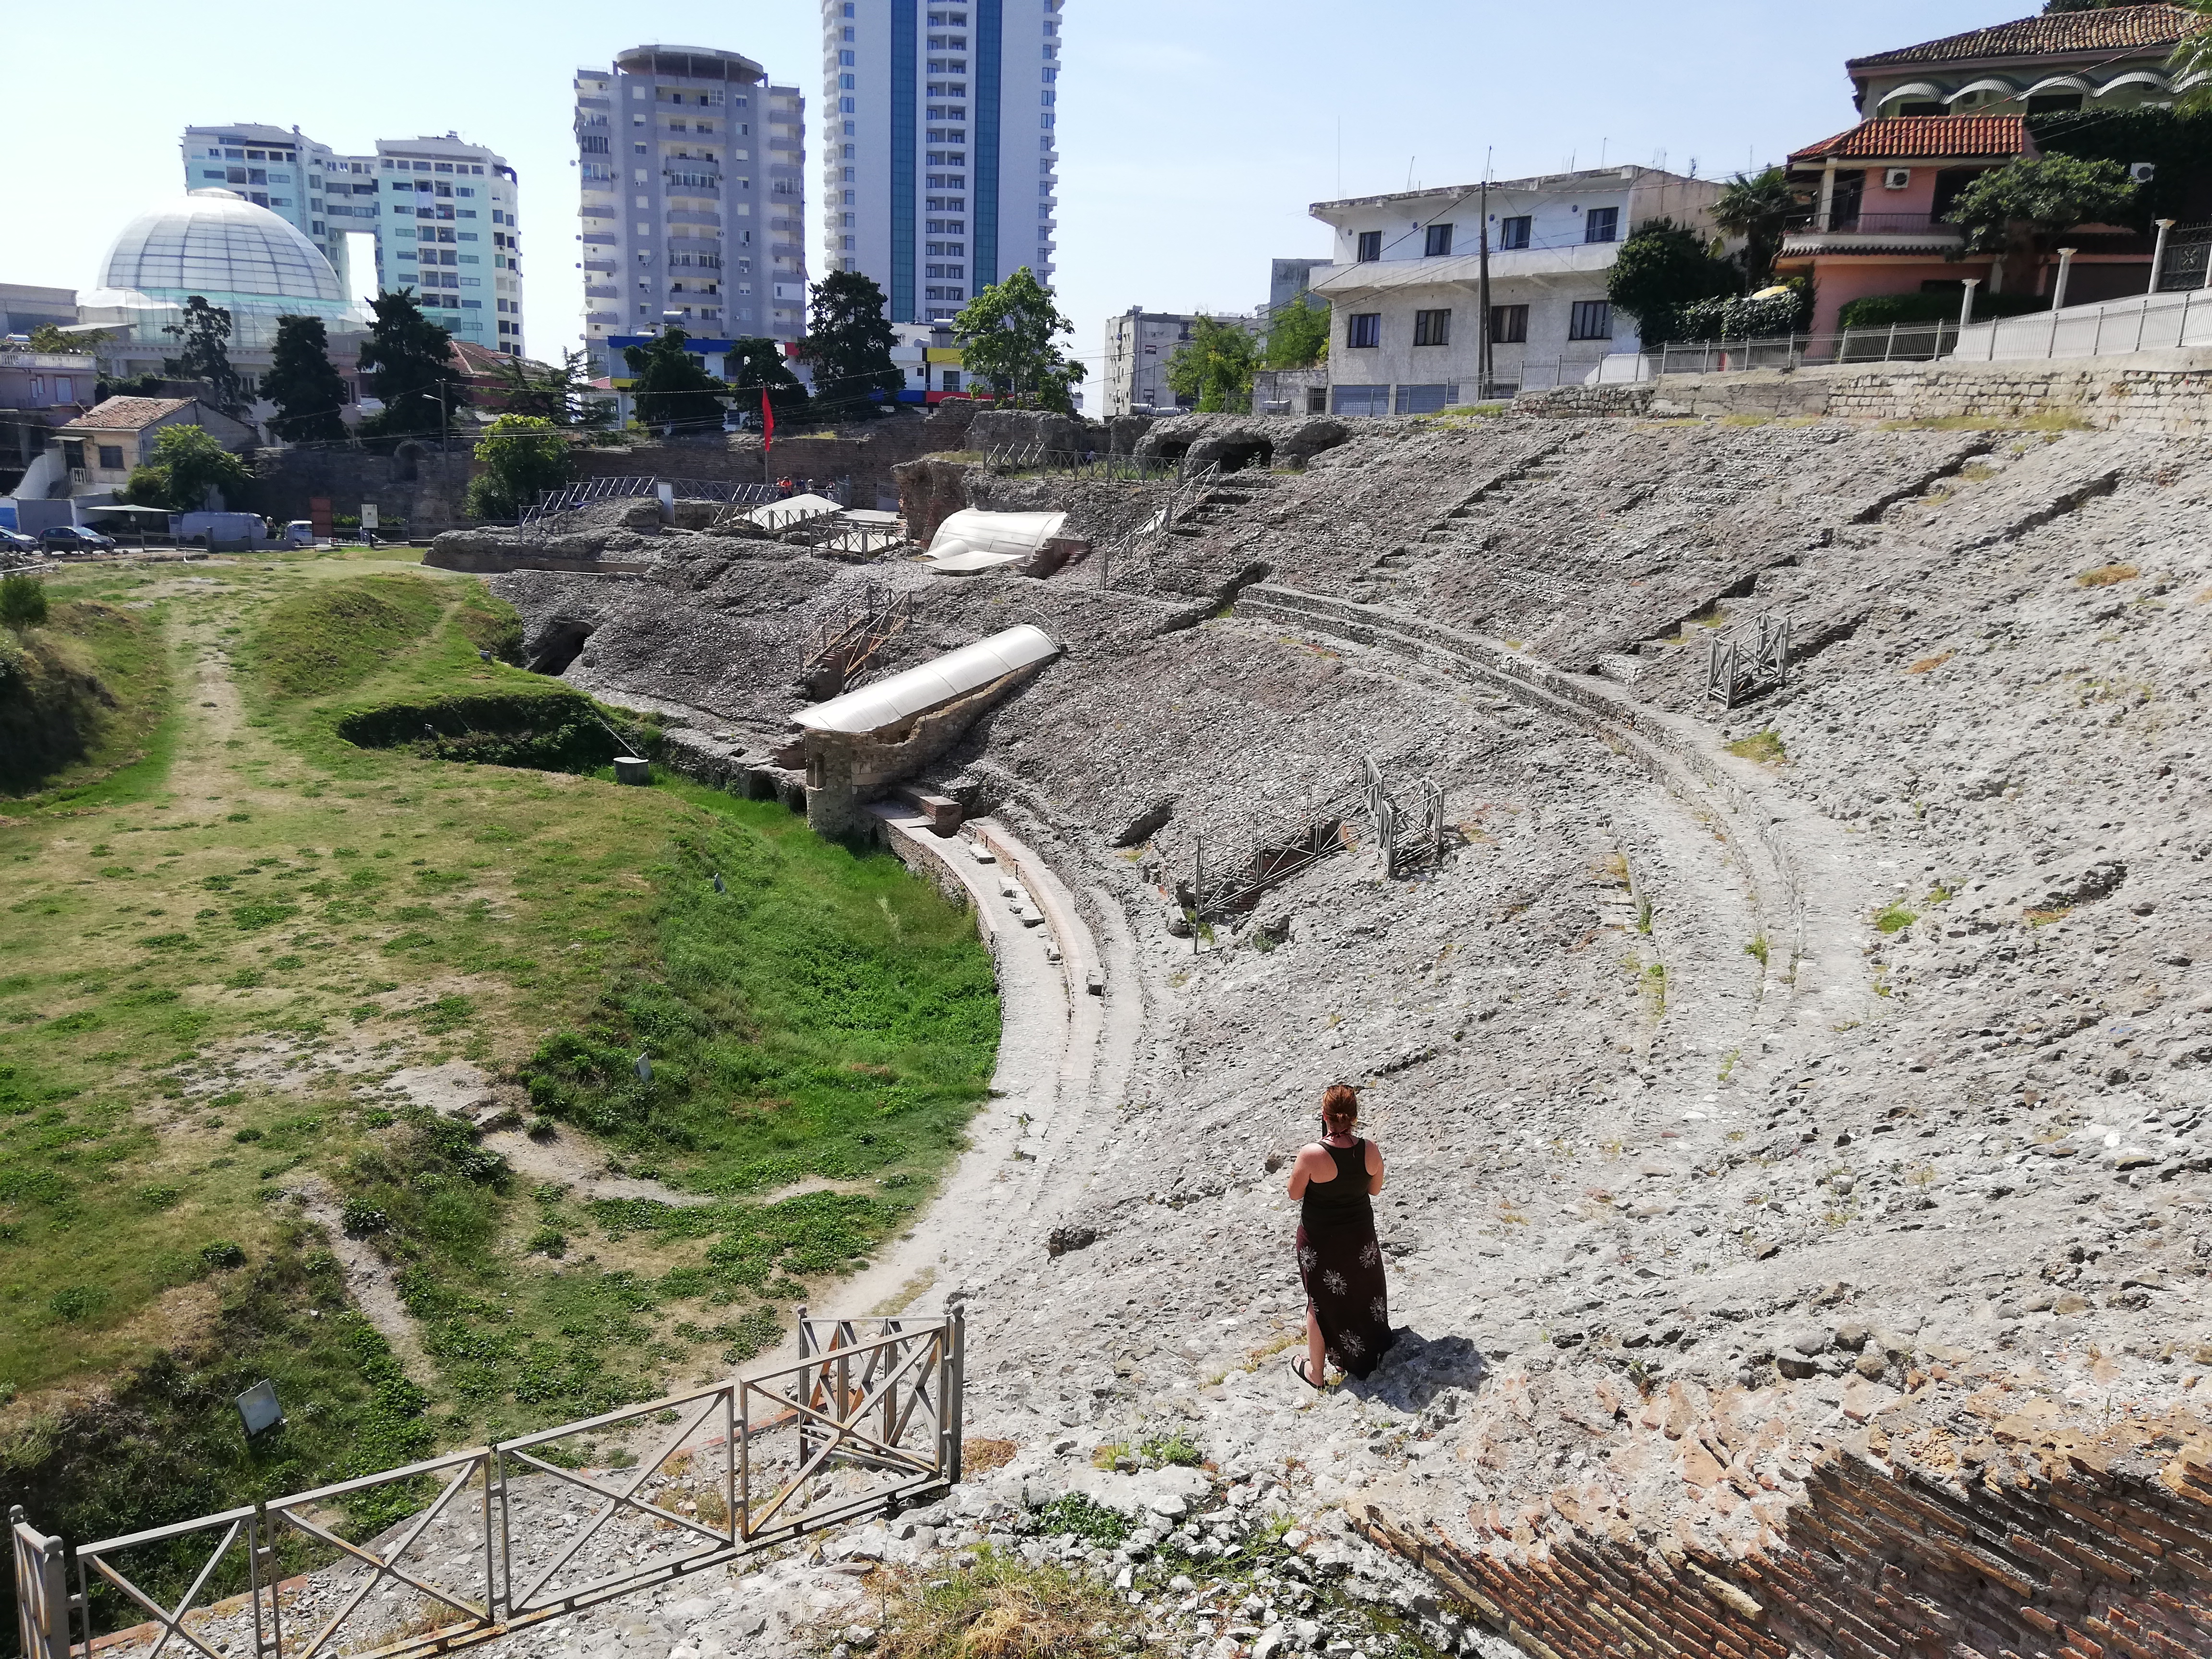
(1374, 1155)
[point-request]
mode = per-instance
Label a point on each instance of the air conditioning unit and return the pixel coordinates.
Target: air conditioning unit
(2144, 172)
(1896, 178)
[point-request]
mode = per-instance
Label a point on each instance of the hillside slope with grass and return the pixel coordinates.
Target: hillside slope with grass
(235, 974)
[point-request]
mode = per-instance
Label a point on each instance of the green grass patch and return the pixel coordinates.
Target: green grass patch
(333, 635)
(829, 1015)
(1764, 747)
(81, 699)
(1896, 918)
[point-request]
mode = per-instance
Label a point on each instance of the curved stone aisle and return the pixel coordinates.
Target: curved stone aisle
(1062, 1051)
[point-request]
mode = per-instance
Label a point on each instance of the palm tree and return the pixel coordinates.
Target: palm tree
(2190, 64)
(1759, 207)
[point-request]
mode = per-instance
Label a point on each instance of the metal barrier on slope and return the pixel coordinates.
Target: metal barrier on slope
(866, 1421)
(1735, 668)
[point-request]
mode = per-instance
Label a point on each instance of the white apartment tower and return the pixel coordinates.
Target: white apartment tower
(443, 212)
(692, 171)
(941, 165)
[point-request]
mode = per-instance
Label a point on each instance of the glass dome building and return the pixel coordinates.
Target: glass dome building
(217, 244)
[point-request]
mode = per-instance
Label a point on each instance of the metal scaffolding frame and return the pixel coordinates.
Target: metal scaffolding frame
(1736, 668)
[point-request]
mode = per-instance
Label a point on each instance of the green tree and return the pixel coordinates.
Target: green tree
(1297, 335)
(49, 336)
(521, 456)
(23, 602)
(205, 331)
(1757, 207)
(760, 366)
(669, 384)
(2051, 6)
(1214, 367)
(1007, 337)
(848, 344)
(410, 361)
(560, 394)
(307, 391)
(187, 462)
(2019, 210)
(1661, 268)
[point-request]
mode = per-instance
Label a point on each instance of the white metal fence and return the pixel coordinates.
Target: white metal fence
(866, 1420)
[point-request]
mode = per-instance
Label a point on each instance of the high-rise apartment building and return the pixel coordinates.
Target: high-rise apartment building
(692, 169)
(940, 164)
(444, 213)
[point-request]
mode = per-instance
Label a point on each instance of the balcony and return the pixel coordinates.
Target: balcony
(1850, 232)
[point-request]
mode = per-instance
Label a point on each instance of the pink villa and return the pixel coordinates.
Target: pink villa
(1940, 113)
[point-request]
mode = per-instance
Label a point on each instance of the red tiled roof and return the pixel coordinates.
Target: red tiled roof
(2110, 28)
(127, 414)
(1929, 136)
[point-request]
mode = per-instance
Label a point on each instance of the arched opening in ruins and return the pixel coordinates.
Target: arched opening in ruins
(1235, 454)
(560, 645)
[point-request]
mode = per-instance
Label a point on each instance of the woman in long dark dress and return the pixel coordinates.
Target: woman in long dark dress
(1347, 1303)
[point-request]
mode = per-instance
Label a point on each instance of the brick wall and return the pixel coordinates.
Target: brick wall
(1946, 1534)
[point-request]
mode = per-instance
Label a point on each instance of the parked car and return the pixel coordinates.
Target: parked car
(74, 538)
(15, 541)
(301, 532)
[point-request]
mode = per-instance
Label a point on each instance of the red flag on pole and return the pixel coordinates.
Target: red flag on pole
(768, 423)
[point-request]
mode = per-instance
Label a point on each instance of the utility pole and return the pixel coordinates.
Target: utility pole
(1484, 366)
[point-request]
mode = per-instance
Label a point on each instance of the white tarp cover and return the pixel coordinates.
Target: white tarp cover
(966, 563)
(973, 531)
(793, 509)
(932, 685)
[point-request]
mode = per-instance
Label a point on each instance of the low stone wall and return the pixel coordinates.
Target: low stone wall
(2159, 391)
(421, 485)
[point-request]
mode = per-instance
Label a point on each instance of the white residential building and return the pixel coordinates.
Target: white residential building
(1139, 343)
(941, 159)
(452, 235)
(692, 172)
(1404, 287)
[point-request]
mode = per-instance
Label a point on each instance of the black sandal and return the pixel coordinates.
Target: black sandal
(1298, 1371)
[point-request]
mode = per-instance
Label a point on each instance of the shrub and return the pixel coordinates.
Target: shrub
(552, 731)
(1743, 316)
(222, 1254)
(23, 602)
(1881, 310)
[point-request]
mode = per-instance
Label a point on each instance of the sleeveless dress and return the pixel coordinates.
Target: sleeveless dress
(1341, 1263)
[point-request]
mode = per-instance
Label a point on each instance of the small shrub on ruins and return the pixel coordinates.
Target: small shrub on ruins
(1176, 1450)
(1084, 1516)
(2104, 575)
(1896, 918)
(999, 1608)
(1756, 948)
(1764, 747)
(1928, 665)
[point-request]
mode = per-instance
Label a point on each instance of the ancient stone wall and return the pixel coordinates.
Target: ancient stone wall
(422, 485)
(2154, 392)
(863, 453)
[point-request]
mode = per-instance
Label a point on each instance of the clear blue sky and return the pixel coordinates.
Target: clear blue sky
(1194, 134)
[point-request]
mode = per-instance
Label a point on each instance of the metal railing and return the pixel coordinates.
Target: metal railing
(586, 491)
(1408, 836)
(1875, 224)
(836, 656)
(865, 1422)
(1227, 880)
(1735, 668)
(1086, 465)
(1182, 496)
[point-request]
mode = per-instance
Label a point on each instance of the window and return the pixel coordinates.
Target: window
(1432, 328)
(1438, 242)
(1514, 231)
(1363, 329)
(1509, 324)
(845, 60)
(111, 457)
(1590, 320)
(1601, 225)
(952, 379)
(2055, 103)
(1426, 399)
(1370, 245)
(1361, 400)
